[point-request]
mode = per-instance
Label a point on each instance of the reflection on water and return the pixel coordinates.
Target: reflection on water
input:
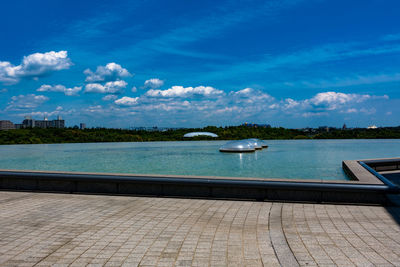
(308, 159)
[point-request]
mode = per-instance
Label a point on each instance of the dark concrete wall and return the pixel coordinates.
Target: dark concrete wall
(203, 188)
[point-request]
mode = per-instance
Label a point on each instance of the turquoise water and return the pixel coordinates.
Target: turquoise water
(307, 159)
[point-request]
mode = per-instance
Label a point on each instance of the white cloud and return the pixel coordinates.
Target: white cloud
(60, 88)
(8, 73)
(380, 97)
(33, 66)
(233, 109)
(313, 114)
(114, 87)
(127, 101)
(58, 111)
(182, 100)
(93, 109)
(250, 95)
(153, 83)
(27, 101)
(274, 106)
(134, 89)
(109, 97)
(180, 91)
(368, 111)
(178, 103)
(325, 102)
(225, 110)
(171, 106)
(109, 72)
(244, 92)
(334, 100)
(351, 110)
(110, 111)
(290, 103)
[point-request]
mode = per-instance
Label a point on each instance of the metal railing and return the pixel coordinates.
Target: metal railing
(392, 188)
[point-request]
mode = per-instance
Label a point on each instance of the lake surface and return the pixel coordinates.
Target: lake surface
(300, 159)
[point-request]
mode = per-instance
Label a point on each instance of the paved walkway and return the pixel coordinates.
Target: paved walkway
(60, 229)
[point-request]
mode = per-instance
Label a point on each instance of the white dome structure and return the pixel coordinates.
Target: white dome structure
(194, 134)
(259, 144)
(255, 143)
(238, 146)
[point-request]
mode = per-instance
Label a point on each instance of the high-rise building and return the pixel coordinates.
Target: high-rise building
(28, 122)
(82, 126)
(43, 123)
(6, 125)
(58, 123)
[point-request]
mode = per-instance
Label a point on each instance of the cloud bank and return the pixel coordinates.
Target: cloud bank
(243, 104)
(180, 91)
(30, 101)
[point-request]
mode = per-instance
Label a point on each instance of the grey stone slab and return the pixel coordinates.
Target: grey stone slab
(47, 229)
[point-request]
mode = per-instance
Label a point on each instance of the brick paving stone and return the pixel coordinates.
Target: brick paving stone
(43, 229)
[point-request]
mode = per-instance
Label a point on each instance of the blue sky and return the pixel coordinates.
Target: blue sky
(288, 63)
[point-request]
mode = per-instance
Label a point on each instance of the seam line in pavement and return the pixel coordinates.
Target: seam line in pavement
(279, 243)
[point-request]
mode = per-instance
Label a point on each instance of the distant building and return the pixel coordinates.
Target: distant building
(308, 130)
(45, 123)
(28, 122)
(344, 126)
(255, 125)
(6, 125)
(372, 127)
(82, 126)
(323, 128)
(58, 123)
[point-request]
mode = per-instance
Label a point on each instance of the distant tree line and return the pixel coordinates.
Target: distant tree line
(73, 135)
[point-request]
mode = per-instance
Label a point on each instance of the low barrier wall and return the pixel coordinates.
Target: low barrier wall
(364, 188)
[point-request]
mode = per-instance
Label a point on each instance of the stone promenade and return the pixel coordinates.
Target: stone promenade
(41, 229)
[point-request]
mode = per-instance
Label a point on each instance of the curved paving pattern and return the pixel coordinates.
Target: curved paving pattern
(38, 229)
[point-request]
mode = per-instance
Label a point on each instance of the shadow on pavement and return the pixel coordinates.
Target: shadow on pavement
(394, 207)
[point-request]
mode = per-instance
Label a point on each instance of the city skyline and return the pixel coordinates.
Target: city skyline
(287, 63)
